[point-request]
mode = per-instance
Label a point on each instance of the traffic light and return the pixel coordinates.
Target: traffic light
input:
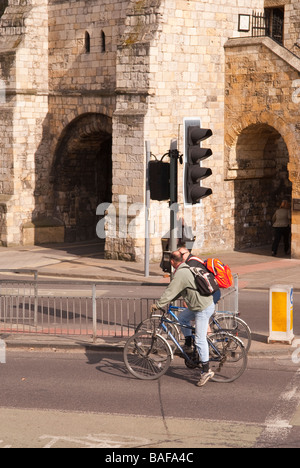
(194, 173)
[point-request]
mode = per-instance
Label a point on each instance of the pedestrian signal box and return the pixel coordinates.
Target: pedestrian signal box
(159, 180)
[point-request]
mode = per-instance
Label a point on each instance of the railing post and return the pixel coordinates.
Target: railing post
(36, 293)
(236, 295)
(94, 302)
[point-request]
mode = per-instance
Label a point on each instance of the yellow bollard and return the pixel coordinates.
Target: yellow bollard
(281, 314)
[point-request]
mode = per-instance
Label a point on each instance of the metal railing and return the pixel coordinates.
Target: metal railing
(77, 308)
(260, 24)
(270, 23)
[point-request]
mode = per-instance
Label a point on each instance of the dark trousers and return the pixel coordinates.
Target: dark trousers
(279, 233)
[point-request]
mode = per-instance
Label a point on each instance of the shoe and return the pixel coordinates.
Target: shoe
(205, 377)
(274, 254)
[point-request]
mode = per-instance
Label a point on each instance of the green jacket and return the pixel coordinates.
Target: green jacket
(183, 284)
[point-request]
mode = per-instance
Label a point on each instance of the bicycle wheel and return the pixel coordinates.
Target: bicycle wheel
(147, 356)
(233, 325)
(228, 357)
(153, 324)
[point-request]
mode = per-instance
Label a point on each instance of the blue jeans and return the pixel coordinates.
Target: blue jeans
(201, 323)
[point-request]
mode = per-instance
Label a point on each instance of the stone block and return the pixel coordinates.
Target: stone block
(43, 231)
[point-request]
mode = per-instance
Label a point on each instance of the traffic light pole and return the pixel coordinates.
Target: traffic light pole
(147, 212)
(173, 195)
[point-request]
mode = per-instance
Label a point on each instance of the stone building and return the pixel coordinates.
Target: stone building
(85, 83)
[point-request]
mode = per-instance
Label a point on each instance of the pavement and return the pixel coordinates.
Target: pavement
(256, 268)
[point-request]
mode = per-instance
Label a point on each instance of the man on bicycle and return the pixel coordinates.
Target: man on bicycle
(200, 309)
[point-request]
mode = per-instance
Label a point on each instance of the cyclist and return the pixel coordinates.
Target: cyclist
(200, 309)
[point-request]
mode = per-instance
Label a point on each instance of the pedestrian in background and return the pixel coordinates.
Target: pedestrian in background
(282, 227)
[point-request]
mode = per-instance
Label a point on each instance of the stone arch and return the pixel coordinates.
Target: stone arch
(258, 161)
(82, 174)
(285, 129)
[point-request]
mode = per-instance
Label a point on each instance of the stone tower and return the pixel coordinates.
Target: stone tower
(84, 83)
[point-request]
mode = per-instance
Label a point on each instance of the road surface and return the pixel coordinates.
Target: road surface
(76, 399)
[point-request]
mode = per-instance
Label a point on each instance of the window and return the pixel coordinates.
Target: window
(275, 20)
(103, 42)
(87, 42)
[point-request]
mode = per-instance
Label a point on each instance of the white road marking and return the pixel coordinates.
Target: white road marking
(278, 420)
(96, 441)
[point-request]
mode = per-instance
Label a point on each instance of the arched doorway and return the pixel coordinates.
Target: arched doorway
(82, 175)
(261, 183)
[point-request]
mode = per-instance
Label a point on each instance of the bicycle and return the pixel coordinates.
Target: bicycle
(148, 355)
(220, 321)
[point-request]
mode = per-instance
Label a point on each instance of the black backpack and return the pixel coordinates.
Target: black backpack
(205, 281)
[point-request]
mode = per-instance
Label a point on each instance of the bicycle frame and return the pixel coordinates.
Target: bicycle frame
(164, 320)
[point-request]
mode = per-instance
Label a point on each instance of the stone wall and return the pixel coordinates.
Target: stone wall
(292, 25)
(24, 71)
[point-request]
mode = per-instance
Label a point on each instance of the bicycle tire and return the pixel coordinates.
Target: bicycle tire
(147, 356)
(230, 361)
(153, 324)
(233, 325)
